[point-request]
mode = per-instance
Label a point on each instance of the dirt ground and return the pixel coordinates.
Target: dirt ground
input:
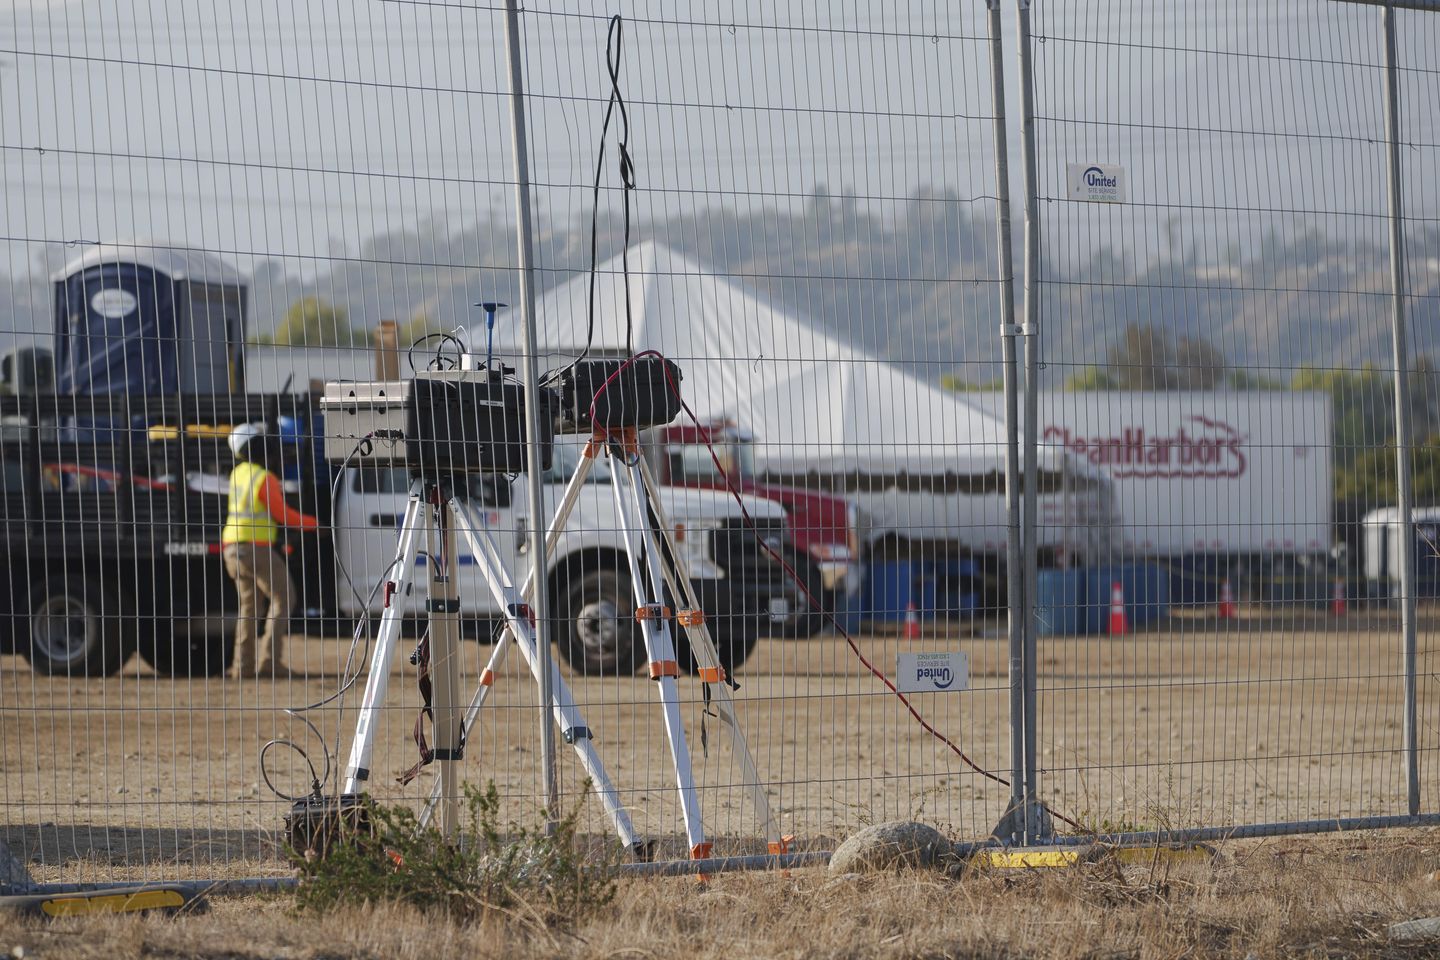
(1203, 722)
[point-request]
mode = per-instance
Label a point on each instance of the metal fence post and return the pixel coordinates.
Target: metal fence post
(1403, 441)
(1031, 331)
(529, 373)
(1009, 330)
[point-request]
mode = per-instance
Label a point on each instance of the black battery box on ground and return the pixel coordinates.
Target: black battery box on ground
(316, 823)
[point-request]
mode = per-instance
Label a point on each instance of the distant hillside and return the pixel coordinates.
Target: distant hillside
(918, 289)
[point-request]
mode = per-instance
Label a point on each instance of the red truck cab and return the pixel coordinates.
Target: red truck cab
(824, 536)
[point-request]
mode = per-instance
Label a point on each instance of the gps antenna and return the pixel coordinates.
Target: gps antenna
(490, 306)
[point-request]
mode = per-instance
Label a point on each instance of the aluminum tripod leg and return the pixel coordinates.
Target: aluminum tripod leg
(443, 609)
(702, 648)
(659, 646)
(357, 771)
(502, 646)
(567, 715)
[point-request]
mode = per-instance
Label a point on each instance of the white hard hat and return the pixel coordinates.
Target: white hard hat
(243, 434)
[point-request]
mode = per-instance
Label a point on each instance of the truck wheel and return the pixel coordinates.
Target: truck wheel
(807, 620)
(735, 640)
(596, 617)
(185, 656)
(75, 628)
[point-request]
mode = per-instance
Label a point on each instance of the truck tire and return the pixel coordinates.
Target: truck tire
(187, 656)
(734, 642)
(595, 619)
(12, 623)
(807, 620)
(76, 628)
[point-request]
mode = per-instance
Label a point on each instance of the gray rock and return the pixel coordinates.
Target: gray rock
(890, 846)
(1422, 929)
(14, 878)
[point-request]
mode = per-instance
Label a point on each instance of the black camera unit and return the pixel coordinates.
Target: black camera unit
(639, 393)
(436, 423)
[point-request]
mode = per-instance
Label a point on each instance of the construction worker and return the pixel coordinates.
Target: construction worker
(257, 511)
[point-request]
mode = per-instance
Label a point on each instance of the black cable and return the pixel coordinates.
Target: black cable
(438, 361)
(352, 670)
(627, 177)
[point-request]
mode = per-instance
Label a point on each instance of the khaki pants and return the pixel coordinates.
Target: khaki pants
(259, 569)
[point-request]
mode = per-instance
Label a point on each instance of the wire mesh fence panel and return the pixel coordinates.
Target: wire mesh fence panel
(212, 212)
(1418, 84)
(1215, 299)
(275, 471)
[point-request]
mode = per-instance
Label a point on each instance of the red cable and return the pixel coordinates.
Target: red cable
(790, 571)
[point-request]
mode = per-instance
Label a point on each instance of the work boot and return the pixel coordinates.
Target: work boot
(242, 661)
(277, 670)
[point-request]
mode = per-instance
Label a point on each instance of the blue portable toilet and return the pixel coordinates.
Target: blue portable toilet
(146, 319)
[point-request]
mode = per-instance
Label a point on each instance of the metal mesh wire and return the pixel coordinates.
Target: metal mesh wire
(211, 211)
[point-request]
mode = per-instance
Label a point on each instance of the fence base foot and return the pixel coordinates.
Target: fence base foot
(14, 878)
(1011, 829)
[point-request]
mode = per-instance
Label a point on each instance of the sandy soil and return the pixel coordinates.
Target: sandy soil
(1204, 722)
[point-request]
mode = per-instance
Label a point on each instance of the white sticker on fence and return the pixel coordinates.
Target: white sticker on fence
(1096, 182)
(932, 672)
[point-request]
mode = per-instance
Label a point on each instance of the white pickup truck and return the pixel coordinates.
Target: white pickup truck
(109, 560)
(740, 587)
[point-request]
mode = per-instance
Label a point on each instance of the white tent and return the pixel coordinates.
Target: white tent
(812, 402)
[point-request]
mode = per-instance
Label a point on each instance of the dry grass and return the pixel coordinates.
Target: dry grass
(1312, 897)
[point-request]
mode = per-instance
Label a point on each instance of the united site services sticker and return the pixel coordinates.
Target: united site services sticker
(1096, 182)
(932, 672)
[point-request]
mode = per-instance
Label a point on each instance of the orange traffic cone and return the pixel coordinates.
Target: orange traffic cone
(912, 622)
(1227, 609)
(1119, 623)
(1337, 598)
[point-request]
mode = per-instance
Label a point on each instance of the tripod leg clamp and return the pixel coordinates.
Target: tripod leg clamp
(487, 678)
(781, 846)
(522, 611)
(443, 605)
(575, 734)
(652, 611)
(664, 668)
(711, 674)
(691, 618)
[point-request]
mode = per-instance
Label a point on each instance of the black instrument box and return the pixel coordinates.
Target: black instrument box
(468, 425)
(638, 393)
(439, 422)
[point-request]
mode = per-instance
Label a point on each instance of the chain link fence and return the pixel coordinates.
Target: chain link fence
(800, 208)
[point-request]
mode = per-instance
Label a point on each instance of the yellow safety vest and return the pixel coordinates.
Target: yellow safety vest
(247, 520)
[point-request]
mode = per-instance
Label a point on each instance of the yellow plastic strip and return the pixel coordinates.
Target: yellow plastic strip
(74, 906)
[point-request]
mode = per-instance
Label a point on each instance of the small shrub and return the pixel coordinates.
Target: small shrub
(519, 874)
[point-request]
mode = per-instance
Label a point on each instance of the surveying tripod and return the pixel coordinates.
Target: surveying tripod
(443, 510)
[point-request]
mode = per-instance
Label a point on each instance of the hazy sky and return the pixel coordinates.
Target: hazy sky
(293, 131)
